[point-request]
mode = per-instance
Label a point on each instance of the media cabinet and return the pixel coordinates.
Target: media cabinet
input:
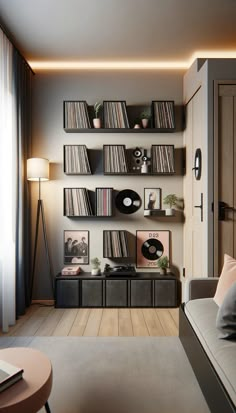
(141, 290)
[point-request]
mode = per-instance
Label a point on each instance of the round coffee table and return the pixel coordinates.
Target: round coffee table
(30, 393)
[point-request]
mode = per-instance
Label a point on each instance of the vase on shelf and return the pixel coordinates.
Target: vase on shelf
(97, 123)
(144, 123)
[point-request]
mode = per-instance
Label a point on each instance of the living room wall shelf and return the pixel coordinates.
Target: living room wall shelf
(78, 117)
(84, 203)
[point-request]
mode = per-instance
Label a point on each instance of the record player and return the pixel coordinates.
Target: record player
(119, 271)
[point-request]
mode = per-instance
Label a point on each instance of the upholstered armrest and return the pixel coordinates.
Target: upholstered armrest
(200, 288)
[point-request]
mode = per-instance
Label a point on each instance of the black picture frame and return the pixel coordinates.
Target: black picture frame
(76, 247)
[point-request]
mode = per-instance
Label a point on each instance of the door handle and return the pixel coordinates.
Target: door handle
(223, 207)
(200, 206)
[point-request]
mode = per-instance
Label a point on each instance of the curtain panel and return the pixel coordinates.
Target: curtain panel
(15, 145)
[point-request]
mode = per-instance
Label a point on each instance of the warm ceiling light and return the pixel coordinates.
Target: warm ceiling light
(105, 65)
(130, 65)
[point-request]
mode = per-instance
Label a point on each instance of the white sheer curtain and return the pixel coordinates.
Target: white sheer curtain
(7, 186)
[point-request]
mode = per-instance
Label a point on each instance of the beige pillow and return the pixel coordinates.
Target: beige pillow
(227, 278)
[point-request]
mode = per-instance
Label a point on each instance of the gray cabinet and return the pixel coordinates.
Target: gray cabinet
(141, 293)
(141, 290)
(116, 293)
(165, 293)
(67, 293)
(92, 293)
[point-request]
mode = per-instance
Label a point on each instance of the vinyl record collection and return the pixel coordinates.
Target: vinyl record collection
(104, 202)
(76, 115)
(115, 159)
(77, 202)
(115, 115)
(163, 159)
(163, 114)
(76, 160)
(115, 244)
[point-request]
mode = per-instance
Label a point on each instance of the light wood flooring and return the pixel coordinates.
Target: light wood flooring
(103, 322)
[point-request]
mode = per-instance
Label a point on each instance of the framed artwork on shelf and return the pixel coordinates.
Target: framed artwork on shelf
(152, 198)
(150, 246)
(76, 247)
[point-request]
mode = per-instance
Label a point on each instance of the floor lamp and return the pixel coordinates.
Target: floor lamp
(38, 170)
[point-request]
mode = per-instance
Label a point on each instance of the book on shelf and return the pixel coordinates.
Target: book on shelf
(115, 244)
(77, 202)
(115, 160)
(103, 202)
(76, 115)
(9, 374)
(76, 160)
(74, 270)
(163, 114)
(162, 158)
(115, 115)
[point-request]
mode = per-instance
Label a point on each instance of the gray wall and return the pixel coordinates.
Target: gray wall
(48, 138)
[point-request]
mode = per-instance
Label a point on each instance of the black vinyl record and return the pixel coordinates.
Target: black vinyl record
(152, 249)
(128, 201)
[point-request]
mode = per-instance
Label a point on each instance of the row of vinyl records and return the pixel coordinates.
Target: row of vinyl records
(76, 115)
(163, 114)
(77, 202)
(76, 160)
(115, 244)
(115, 159)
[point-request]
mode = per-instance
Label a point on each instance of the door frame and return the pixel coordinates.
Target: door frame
(217, 83)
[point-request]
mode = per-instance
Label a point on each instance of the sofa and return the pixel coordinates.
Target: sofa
(213, 359)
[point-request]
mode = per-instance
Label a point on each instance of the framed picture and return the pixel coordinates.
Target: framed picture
(150, 246)
(76, 247)
(152, 198)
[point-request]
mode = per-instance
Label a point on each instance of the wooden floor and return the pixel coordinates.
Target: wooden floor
(103, 322)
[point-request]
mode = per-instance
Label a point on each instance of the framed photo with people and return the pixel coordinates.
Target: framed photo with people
(152, 198)
(76, 247)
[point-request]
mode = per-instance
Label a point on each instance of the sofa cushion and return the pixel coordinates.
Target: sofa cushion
(226, 316)
(222, 353)
(227, 278)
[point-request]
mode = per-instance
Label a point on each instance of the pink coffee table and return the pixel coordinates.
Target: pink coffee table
(31, 393)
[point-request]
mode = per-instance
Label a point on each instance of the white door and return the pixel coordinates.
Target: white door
(194, 242)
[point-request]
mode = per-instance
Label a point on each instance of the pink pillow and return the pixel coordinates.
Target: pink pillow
(227, 278)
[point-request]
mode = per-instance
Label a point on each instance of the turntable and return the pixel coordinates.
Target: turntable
(119, 271)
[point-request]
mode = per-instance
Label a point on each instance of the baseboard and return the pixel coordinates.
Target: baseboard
(43, 302)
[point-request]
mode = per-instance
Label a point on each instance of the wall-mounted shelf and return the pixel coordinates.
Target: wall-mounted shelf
(83, 203)
(78, 117)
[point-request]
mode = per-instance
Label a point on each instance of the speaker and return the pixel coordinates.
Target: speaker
(136, 159)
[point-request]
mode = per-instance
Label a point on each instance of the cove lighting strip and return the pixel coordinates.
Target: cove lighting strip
(128, 65)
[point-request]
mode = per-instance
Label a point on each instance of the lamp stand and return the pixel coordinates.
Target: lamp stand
(40, 212)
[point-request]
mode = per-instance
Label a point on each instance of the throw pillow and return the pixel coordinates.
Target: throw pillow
(226, 316)
(227, 277)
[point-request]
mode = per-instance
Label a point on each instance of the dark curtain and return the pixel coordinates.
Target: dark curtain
(22, 80)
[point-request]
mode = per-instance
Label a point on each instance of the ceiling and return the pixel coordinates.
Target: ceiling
(120, 30)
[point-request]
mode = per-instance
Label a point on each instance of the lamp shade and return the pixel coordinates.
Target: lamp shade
(37, 168)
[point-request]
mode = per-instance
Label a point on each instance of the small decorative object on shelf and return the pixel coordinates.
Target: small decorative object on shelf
(152, 199)
(145, 117)
(96, 120)
(96, 269)
(163, 264)
(170, 200)
(74, 270)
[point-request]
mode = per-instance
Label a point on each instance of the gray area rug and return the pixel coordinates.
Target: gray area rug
(118, 375)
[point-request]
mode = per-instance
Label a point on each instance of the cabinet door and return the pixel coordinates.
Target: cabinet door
(67, 293)
(141, 293)
(165, 294)
(92, 293)
(116, 293)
